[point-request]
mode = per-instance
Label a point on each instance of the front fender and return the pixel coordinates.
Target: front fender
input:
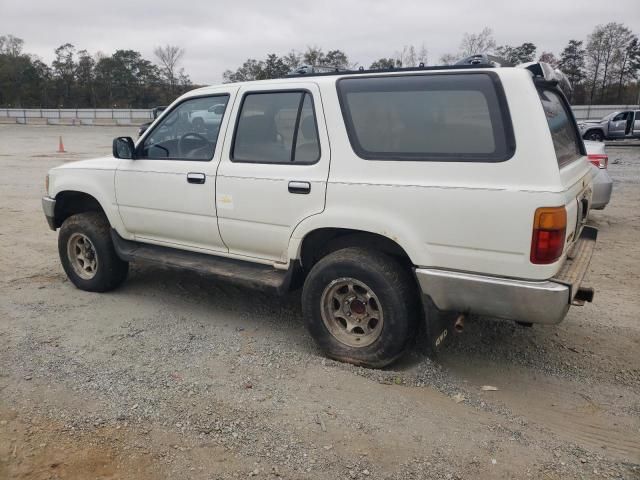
(99, 183)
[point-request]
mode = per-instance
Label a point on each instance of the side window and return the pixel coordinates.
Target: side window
(620, 117)
(278, 128)
(561, 126)
(426, 118)
(188, 132)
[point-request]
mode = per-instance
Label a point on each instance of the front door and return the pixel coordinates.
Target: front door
(274, 168)
(618, 125)
(166, 195)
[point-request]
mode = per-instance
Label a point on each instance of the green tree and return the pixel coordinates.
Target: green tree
(64, 71)
(572, 63)
(85, 78)
(251, 69)
(273, 67)
(517, 55)
(383, 64)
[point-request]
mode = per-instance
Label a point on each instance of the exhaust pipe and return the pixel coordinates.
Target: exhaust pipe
(458, 325)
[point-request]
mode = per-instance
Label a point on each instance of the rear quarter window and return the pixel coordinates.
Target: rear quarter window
(562, 127)
(460, 117)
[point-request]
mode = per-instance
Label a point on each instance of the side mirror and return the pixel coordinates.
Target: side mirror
(123, 147)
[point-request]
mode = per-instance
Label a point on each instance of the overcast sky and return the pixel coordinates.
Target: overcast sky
(221, 35)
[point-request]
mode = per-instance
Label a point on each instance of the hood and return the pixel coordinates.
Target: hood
(102, 163)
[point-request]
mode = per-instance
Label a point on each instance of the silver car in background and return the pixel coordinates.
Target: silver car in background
(602, 183)
(615, 126)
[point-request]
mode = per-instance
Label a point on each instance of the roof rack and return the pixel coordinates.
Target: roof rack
(484, 59)
(306, 71)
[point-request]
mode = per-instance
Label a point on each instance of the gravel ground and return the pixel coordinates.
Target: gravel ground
(179, 376)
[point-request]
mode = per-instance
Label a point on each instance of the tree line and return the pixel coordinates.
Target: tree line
(604, 68)
(77, 79)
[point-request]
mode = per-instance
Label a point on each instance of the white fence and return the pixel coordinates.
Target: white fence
(79, 115)
(141, 115)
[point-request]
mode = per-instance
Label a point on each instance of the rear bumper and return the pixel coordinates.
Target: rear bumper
(545, 302)
(49, 208)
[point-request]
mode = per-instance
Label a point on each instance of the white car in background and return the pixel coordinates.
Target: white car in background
(602, 183)
(211, 116)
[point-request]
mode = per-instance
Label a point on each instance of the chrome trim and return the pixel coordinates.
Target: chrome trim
(544, 302)
(49, 208)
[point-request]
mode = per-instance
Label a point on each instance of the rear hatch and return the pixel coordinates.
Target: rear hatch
(575, 172)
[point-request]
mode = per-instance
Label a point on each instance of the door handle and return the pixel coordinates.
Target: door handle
(300, 187)
(198, 178)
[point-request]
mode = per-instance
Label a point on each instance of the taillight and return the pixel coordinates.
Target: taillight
(549, 230)
(599, 160)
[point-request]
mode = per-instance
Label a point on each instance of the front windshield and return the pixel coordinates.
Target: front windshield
(607, 117)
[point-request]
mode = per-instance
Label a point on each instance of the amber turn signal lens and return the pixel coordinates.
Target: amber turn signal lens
(549, 230)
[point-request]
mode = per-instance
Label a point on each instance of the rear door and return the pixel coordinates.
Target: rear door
(274, 168)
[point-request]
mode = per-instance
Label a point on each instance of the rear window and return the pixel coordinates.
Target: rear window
(460, 117)
(562, 127)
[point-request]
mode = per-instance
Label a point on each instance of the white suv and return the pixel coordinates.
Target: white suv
(463, 189)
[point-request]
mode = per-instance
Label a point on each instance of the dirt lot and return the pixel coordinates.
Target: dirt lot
(178, 376)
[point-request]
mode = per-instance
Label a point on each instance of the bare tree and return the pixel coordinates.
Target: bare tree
(10, 45)
(169, 57)
(449, 59)
(475, 43)
(550, 58)
(605, 46)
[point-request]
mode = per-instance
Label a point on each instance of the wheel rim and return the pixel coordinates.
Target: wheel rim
(594, 136)
(82, 256)
(352, 312)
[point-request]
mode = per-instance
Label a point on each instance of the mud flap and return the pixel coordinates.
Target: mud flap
(439, 325)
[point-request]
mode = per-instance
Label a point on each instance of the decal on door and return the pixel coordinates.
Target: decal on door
(225, 202)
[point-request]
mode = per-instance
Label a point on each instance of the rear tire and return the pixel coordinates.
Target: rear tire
(360, 307)
(87, 254)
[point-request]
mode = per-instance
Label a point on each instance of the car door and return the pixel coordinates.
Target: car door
(274, 168)
(166, 195)
(617, 125)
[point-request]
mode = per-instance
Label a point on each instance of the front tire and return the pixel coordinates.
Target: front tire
(87, 254)
(594, 135)
(360, 307)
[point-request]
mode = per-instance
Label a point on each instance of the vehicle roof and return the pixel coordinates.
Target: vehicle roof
(332, 77)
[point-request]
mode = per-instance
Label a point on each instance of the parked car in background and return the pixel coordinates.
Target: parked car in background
(155, 112)
(602, 183)
(208, 117)
(615, 126)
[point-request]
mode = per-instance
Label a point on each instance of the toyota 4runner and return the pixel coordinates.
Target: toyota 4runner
(461, 189)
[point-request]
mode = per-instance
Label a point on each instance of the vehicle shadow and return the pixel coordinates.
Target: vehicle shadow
(483, 340)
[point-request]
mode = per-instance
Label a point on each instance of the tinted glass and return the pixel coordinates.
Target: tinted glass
(276, 127)
(307, 145)
(562, 127)
(188, 132)
(426, 117)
